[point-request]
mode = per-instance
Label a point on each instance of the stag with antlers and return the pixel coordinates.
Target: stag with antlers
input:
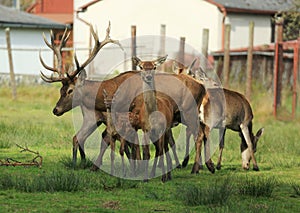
(77, 91)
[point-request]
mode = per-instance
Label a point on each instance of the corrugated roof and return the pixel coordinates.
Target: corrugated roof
(271, 6)
(10, 17)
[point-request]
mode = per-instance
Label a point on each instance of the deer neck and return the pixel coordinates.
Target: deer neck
(149, 95)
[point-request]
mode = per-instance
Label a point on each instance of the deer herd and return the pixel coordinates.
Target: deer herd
(153, 102)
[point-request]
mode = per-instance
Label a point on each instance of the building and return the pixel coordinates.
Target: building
(26, 40)
(182, 19)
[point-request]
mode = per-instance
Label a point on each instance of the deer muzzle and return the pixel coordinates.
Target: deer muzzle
(56, 111)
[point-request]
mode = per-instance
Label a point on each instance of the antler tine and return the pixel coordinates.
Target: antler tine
(47, 42)
(57, 49)
(64, 39)
(109, 40)
(97, 47)
(50, 79)
(45, 65)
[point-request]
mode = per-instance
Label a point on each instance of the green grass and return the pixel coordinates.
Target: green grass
(56, 187)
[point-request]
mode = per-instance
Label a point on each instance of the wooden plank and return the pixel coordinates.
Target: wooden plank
(11, 65)
(250, 61)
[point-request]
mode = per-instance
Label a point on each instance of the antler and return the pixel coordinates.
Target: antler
(57, 49)
(97, 47)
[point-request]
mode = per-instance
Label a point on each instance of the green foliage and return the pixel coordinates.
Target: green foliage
(215, 193)
(29, 121)
(291, 22)
(296, 188)
(54, 181)
(257, 186)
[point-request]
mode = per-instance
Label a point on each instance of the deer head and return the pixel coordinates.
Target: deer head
(148, 67)
(72, 79)
(246, 155)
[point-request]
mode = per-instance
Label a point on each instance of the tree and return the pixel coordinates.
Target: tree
(291, 29)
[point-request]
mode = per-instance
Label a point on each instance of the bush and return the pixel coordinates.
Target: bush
(53, 182)
(257, 186)
(215, 193)
(296, 188)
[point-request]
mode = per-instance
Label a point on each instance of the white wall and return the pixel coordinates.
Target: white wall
(182, 19)
(240, 30)
(26, 43)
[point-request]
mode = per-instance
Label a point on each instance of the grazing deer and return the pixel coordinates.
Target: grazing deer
(235, 114)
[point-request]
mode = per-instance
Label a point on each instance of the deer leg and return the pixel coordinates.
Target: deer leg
(122, 149)
(187, 148)
(157, 151)
(146, 155)
(105, 142)
(171, 141)
(208, 162)
(112, 156)
(79, 139)
(161, 158)
(246, 134)
(221, 146)
(168, 157)
(198, 140)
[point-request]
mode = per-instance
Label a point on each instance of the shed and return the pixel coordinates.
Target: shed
(26, 41)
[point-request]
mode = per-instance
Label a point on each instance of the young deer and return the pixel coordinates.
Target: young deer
(155, 117)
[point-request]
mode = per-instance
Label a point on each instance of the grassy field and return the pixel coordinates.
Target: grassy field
(28, 121)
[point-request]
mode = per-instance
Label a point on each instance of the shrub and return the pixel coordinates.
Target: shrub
(296, 188)
(257, 186)
(215, 193)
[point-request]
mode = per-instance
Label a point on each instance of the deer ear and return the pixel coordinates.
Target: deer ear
(260, 132)
(81, 77)
(160, 60)
(136, 60)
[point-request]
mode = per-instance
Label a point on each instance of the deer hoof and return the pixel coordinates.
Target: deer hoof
(255, 168)
(179, 166)
(94, 168)
(210, 167)
(185, 162)
(169, 177)
(218, 166)
(195, 169)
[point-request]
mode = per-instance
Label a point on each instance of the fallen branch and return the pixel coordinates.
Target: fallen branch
(36, 161)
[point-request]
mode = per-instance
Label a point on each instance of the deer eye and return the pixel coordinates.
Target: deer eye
(70, 91)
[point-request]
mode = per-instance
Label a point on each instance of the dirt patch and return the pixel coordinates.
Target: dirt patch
(111, 205)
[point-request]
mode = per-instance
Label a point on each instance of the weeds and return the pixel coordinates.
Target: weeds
(257, 186)
(47, 182)
(296, 188)
(215, 193)
(68, 163)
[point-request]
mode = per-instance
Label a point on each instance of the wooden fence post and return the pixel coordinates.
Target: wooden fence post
(278, 65)
(133, 46)
(250, 61)
(205, 39)
(226, 64)
(11, 65)
(295, 77)
(162, 50)
(181, 50)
